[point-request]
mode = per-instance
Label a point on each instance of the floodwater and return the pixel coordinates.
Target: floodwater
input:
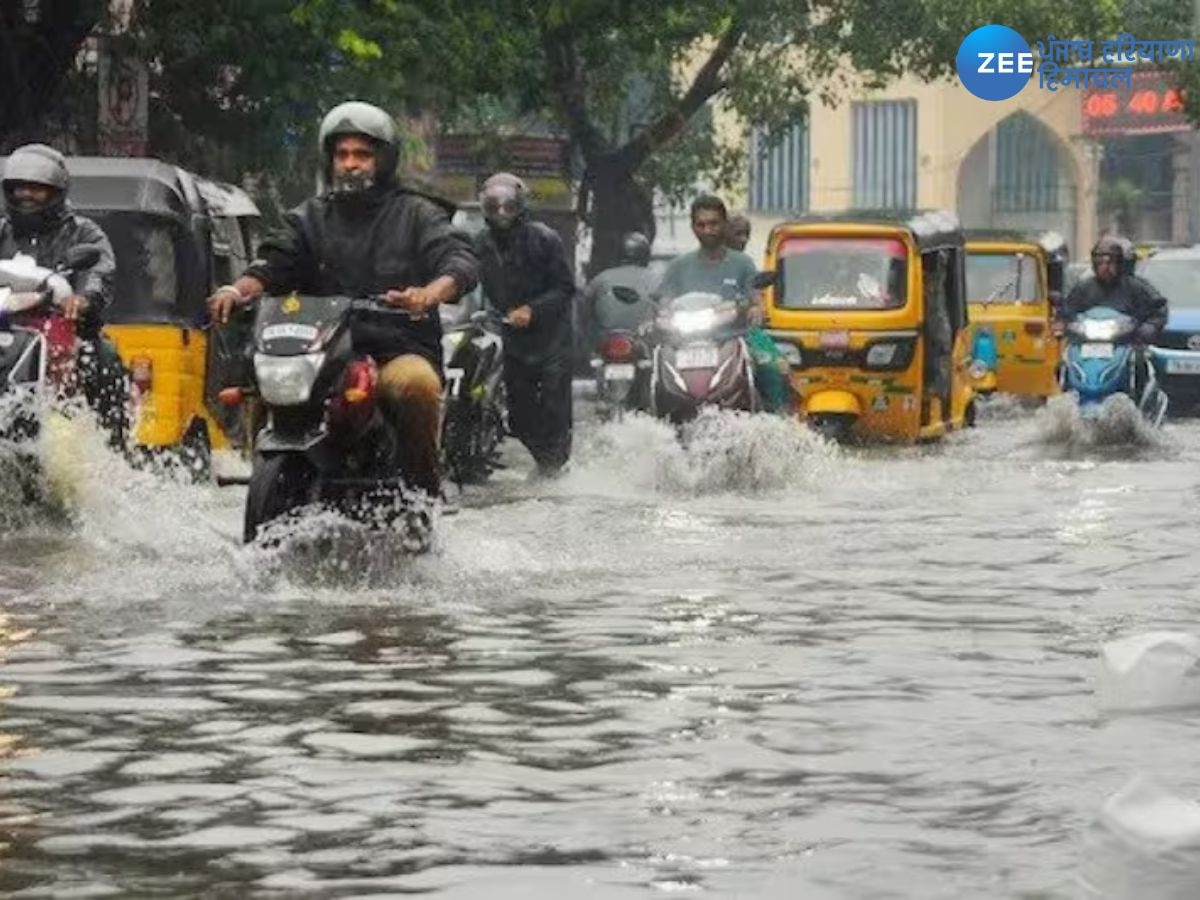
(758, 667)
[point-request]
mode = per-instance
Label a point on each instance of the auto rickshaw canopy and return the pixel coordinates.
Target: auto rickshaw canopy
(934, 229)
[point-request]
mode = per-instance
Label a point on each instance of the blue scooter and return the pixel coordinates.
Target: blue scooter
(1102, 358)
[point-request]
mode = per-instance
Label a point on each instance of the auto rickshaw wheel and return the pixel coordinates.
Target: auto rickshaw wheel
(833, 426)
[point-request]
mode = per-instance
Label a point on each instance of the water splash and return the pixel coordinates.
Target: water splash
(720, 452)
(1118, 425)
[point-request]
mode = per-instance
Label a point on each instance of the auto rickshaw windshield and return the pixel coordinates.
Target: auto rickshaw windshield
(840, 273)
(1002, 278)
(146, 287)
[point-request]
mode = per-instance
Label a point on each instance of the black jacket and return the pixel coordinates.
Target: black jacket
(528, 265)
(49, 249)
(1129, 294)
(397, 239)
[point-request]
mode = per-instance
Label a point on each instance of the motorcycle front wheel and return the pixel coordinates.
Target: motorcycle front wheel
(279, 484)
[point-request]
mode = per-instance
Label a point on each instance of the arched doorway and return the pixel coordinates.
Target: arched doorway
(1019, 175)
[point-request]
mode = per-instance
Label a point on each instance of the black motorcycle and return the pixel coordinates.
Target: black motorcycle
(473, 426)
(326, 440)
(621, 365)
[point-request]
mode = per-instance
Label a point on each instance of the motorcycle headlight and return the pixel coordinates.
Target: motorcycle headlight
(790, 352)
(1100, 329)
(881, 354)
(694, 321)
(287, 380)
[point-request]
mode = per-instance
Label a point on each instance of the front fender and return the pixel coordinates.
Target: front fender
(827, 403)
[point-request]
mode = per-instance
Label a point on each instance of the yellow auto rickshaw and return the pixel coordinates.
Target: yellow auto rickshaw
(162, 228)
(1014, 285)
(870, 311)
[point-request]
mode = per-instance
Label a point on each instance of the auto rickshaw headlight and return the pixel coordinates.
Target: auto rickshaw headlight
(287, 380)
(790, 353)
(894, 355)
(882, 355)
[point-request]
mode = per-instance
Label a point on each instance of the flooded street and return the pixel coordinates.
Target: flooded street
(760, 667)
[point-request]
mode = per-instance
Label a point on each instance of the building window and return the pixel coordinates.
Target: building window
(779, 173)
(885, 154)
(1027, 164)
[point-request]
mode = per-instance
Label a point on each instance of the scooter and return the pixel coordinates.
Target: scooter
(700, 358)
(326, 440)
(475, 410)
(1102, 359)
(620, 365)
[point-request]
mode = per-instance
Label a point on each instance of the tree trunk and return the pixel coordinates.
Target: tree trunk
(619, 205)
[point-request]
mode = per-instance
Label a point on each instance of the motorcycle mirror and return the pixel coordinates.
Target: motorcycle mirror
(626, 295)
(763, 280)
(82, 257)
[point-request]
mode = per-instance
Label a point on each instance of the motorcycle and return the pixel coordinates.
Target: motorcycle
(326, 440)
(619, 365)
(1101, 360)
(475, 410)
(700, 358)
(38, 360)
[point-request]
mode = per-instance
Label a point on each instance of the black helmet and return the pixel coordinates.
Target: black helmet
(1108, 245)
(358, 118)
(504, 199)
(635, 249)
(36, 164)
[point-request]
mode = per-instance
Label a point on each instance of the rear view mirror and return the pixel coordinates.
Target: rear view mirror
(763, 280)
(626, 295)
(82, 257)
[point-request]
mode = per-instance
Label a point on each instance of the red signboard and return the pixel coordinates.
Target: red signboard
(1151, 106)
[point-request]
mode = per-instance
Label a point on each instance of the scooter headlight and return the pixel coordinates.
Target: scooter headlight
(696, 321)
(287, 380)
(1099, 329)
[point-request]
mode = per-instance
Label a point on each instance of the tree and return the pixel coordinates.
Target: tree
(762, 58)
(39, 46)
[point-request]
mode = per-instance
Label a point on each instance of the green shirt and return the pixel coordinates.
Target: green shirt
(728, 276)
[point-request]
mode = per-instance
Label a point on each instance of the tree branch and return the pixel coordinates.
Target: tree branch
(706, 85)
(568, 85)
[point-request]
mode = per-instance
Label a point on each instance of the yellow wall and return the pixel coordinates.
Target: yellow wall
(949, 123)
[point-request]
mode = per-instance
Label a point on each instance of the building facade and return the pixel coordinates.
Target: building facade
(1041, 160)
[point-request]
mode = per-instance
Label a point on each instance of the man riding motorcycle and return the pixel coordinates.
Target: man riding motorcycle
(38, 222)
(1115, 286)
(365, 235)
(601, 311)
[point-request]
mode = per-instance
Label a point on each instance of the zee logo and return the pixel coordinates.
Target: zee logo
(1003, 63)
(994, 62)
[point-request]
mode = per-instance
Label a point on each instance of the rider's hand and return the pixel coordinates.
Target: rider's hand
(521, 317)
(75, 307)
(417, 300)
(1146, 333)
(222, 304)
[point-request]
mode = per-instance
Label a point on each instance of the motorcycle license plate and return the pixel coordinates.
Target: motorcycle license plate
(619, 372)
(1096, 351)
(705, 356)
(1183, 366)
